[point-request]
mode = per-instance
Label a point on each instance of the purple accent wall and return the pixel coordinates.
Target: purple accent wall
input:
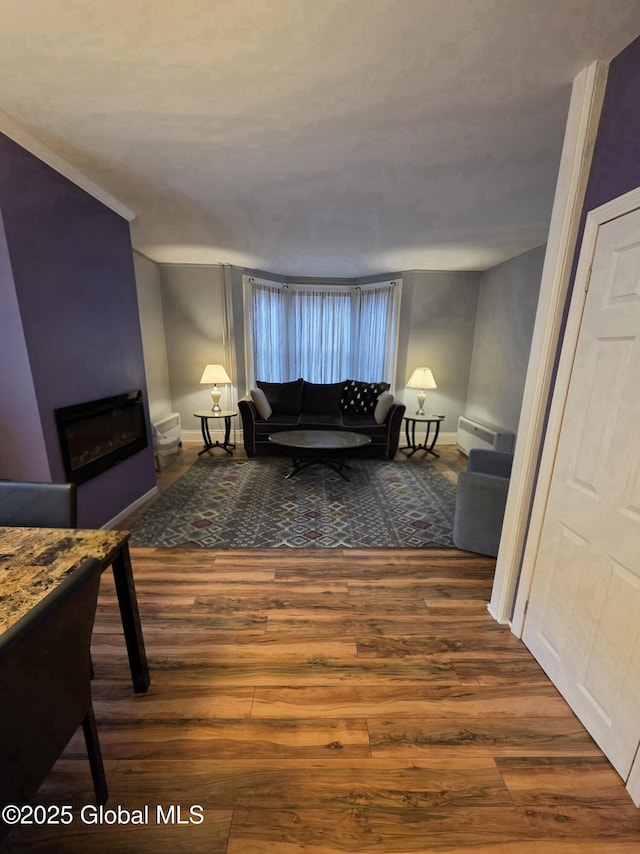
(73, 278)
(615, 168)
(615, 165)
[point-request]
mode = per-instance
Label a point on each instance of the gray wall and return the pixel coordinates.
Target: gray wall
(437, 323)
(153, 337)
(503, 330)
(472, 329)
(192, 303)
(436, 331)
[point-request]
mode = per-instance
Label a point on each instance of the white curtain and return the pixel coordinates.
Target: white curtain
(324, 334)
(376, 323)
(267, 333)
(319, 333)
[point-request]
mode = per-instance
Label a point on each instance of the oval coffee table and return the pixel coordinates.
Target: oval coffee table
(323, 447)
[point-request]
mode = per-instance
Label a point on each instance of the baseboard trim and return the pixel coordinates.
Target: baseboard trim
(133, 506)
(447, 439)
(497, 617)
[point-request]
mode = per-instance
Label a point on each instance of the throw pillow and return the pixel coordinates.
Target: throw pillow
(284, 398)
(384, 404)
(360, 398)
(261, 403)
(322, 398)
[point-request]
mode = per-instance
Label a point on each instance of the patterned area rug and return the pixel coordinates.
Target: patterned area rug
(219, 504)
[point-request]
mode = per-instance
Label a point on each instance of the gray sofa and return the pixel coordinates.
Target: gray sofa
(359, 407)
(481, 497)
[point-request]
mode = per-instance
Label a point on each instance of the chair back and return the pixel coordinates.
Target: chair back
(498, 463)
(38, 505)
(481, 498)
(45, 686)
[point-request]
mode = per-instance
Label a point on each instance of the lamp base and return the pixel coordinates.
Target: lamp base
(421, 399)
(215, 397)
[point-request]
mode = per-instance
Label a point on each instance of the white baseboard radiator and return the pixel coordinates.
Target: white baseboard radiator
(167, 438)
(475, 434)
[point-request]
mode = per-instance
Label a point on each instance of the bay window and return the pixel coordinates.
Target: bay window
(324, 333)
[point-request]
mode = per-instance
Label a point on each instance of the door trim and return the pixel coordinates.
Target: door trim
(595, 219)
(582, 125)
(633, 781)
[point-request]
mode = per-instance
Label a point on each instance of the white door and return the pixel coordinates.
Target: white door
(583, 617)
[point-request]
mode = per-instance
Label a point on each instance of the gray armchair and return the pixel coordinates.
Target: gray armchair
(481, 498)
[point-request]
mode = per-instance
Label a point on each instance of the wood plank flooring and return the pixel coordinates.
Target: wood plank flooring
(328, 701)
(321, 701)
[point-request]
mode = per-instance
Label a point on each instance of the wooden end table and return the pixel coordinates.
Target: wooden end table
(410, 422)
(204, 415)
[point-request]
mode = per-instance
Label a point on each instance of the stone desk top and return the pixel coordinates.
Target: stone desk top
(34, 560)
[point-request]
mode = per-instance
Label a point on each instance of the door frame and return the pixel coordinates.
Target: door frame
(585, 107)
(597, 217)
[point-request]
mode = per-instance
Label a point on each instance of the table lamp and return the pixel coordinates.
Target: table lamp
(421, 378)
(215, 374)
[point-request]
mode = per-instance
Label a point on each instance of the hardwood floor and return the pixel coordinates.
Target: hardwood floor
(326, 701)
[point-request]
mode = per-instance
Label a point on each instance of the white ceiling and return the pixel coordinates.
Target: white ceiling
(312, 137)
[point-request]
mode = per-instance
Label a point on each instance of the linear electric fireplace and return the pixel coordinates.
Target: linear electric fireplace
(99, 434)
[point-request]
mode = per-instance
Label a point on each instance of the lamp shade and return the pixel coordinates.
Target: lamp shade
(214, 374)
(421, 378)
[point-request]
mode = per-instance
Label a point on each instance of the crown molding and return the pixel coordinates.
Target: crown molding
(34, 145)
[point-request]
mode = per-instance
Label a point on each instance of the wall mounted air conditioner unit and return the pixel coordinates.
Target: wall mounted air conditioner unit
(475, 434)
(167, 438)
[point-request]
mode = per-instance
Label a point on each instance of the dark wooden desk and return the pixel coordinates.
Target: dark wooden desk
(34, 560)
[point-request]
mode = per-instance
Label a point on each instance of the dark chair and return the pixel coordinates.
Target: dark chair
(481, 497)
(46, 689)
(38, 505)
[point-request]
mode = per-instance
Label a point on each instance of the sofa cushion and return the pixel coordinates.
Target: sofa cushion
(365, 424)
(274, 424)
(261, 403)
(284, 398)
(360, 398)
(325, 422)
(322, 398)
